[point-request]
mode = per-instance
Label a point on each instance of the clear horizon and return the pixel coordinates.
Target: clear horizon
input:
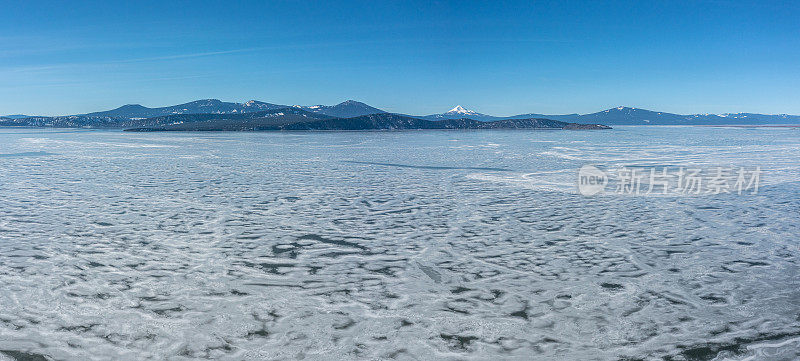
(414, 57)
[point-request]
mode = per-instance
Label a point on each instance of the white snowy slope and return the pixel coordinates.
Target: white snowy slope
(459, 112)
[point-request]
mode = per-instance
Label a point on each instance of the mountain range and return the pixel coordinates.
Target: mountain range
(206, 106)
(135, 115)
(633, 116)
(295, 118)
(636, 116)
(346, 109)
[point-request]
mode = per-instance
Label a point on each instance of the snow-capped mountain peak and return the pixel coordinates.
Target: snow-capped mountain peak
(460, 110)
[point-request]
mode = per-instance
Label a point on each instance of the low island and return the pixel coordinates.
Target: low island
(294, 119)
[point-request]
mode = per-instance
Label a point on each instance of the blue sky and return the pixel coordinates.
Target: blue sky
(417, 57)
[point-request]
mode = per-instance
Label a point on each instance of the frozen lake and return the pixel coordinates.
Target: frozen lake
(393, 245)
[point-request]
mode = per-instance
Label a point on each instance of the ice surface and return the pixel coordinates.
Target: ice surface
(392, 245)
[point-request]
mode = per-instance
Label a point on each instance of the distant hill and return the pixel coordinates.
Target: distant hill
(301, 120)
(346, 109)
